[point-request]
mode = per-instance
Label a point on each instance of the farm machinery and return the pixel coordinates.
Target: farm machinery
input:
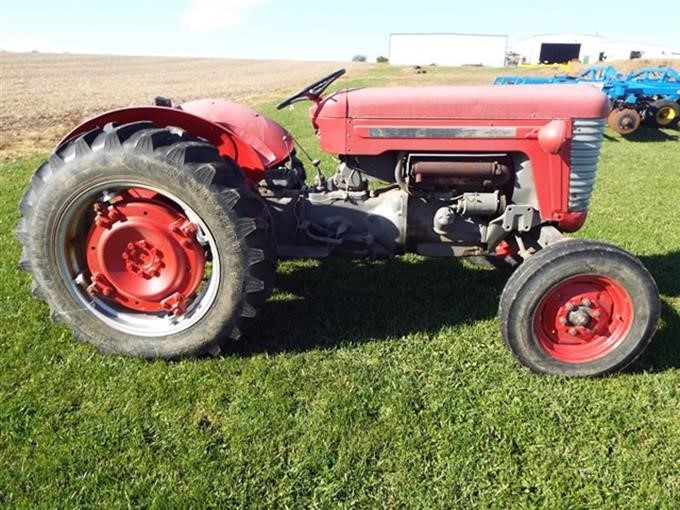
(650, 94)
(594, 74)
(154, 231)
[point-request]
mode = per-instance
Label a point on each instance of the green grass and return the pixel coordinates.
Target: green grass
(362, 385)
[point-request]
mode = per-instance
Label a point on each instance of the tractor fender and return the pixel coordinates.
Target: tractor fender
(253, 141)
(269, 139)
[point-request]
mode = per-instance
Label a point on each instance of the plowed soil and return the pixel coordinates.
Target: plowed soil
(43, 95)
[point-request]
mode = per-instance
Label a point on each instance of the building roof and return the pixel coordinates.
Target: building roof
(446, 33)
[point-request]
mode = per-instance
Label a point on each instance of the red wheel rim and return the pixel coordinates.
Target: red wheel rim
(142, 253)
(583, 319)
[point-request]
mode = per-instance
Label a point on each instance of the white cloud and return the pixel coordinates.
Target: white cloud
(209, 15)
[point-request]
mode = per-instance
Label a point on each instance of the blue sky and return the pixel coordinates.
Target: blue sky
(308, 29)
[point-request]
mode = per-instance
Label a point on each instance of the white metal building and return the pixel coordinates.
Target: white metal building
(560, 48)
(628, 50)
(448, 49)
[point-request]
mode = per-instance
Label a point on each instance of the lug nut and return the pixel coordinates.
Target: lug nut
(563, 320)
(597, 314)
(586, 302)
(573, 331)
(571, 307)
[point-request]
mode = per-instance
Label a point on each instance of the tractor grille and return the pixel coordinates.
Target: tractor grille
(585, 149)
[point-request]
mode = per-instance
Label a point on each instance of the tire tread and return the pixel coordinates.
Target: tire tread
(203, 162)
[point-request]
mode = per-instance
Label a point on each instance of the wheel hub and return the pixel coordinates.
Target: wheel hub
(579, 317)
(143, 258)
(665, 115)
(142, 252)
(626, 122)
(583, 319)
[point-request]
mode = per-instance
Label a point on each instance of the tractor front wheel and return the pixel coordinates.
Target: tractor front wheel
(579, 308)
(146, 242)
(625, 121)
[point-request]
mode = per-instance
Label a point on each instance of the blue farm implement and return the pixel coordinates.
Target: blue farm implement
(650, 94)
(594, 74)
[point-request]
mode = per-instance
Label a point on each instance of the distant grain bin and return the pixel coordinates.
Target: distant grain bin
(560, 48)
(448, 49)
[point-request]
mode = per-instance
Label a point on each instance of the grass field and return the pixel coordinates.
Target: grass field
(362, 384)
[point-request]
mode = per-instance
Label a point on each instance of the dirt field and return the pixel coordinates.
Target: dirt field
(43, 95)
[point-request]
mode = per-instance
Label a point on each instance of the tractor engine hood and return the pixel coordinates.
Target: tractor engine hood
(468, 103)
(347, 121)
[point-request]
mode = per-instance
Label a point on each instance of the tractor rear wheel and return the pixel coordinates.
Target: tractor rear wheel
(625, 121)
(146, 242)
(579, 308)
(664, 113)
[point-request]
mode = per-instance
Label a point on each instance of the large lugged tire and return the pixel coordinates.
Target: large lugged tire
(146, 242)
(579, 308)
(664, 113)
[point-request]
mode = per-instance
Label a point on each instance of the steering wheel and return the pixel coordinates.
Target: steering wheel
(313, 91)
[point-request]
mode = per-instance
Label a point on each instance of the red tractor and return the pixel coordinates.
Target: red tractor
(154, 231)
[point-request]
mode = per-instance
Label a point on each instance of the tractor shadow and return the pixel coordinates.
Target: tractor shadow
(664, 269)
(339, 302)
(645, 134)
(332, 303)
(664, 351)
(651, 134)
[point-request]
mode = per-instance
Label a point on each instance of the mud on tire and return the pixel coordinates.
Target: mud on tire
(135, 167)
